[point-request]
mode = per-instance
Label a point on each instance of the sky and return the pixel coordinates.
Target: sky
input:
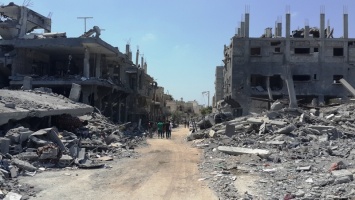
(182, 40)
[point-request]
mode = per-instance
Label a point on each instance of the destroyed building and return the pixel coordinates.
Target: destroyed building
(309, 64)
(104, 76)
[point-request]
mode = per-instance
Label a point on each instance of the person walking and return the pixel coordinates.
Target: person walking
(167, 129)
(160, 129)
(170, 129)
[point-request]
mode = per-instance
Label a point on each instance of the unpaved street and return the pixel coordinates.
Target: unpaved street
(167, 169)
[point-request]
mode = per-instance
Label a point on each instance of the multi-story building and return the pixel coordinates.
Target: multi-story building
(108, 78)
(302, 65)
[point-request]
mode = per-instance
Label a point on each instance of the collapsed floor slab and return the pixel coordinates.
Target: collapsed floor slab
(34, 104)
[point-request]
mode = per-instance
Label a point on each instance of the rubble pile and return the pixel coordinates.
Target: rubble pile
(72, 142)
(289, 153)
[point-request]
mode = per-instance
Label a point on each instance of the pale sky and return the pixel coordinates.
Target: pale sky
(182, 40)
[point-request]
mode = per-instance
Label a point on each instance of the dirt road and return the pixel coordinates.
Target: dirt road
(167, 169)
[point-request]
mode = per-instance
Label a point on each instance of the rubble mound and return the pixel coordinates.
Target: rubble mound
(288, 153)
(86, 142)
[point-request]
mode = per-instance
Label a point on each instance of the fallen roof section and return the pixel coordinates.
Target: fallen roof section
(18, 104)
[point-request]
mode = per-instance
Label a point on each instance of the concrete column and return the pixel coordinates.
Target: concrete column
(279, 29)
(288, 25)
(242, 28)
(321, 100)
(142, 62)
(86, 94)
(27, 83)
(246, 29)
(86, 71)
(127, 49)
(322, 25)
(306, 31)
(268, 87)
(345, 34)
(75, 92)
(98, 66)
(137, 57)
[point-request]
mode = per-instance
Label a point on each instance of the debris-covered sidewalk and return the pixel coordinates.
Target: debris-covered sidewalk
(45, 137)
(282, 154)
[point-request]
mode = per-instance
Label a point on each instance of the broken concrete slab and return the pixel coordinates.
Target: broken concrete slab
(253, 120)
(239, 151)
(320, 127)
(286, 130)
(23, 165)
(37, 105)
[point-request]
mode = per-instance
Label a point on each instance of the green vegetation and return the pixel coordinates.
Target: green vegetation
(206, 110)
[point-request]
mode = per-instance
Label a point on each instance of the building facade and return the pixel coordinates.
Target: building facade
(108, 78)
(303, 65)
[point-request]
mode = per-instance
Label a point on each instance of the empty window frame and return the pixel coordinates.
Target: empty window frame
(302, 50)
(255, 51)
(275, 43)
(315, 49)
(338, 52)
(277, 50)
(301, 78)
(336, 78)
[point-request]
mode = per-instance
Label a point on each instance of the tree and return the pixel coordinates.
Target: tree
(206, 110)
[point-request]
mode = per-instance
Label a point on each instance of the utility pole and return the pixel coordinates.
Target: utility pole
(208, 96)
(84, 18)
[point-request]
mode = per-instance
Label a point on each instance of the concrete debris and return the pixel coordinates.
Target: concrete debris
(303, 154)
(239, 151)
(53, 137)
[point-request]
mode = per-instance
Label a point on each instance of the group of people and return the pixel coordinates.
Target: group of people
(164, 128)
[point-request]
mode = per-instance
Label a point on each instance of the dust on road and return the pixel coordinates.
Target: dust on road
(167, 169)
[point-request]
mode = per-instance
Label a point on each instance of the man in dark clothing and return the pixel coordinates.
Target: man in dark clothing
(167, 129)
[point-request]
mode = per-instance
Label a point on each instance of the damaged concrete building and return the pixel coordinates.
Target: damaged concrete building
(105, 77)
(307, 64)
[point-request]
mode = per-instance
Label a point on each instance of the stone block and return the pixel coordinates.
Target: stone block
(75, 92)
(342, 173)
(239, 151)
(230, 130)
(27, 83)
(343, 179)
(13, 172)
(4, 145)
(24, 136)
(212, 133)
(306, 168)
(276, 106)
